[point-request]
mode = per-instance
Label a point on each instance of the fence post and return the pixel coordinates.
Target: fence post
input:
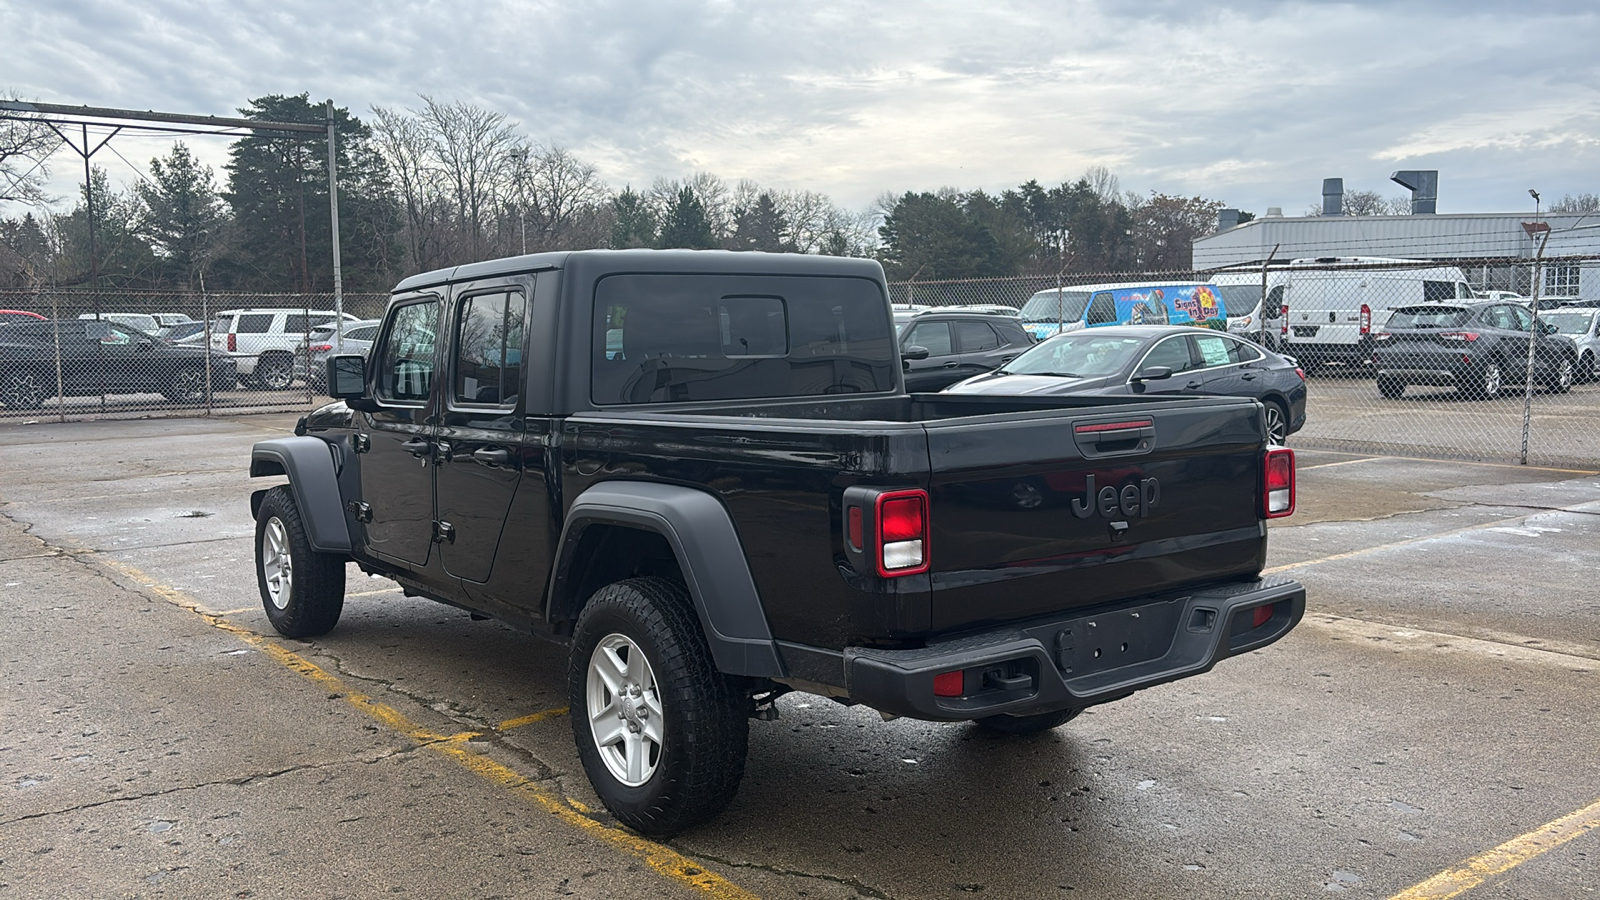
(1533, 336)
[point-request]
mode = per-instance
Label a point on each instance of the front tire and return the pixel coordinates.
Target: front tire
(275, 371)
(1561, 380)
(661, 733)
(1585, 373)
(186, 385)
(1027, 724)
(302, 590)
(1391, 388)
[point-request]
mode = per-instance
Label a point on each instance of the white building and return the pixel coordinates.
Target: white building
(1498, 239)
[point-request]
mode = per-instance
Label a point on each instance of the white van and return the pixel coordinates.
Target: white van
(1335, 304)
(1252, 315)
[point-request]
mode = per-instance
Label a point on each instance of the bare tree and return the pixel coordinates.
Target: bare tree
(560, 194)
(25, 145)
(1576, 203)
(1104, 184)
(476, 150)
(408, 149)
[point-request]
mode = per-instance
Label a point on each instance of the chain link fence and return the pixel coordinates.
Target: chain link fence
(1429, 359)
(1444, 359)
(74, 354)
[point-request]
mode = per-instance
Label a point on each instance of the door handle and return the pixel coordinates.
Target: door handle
(418, 447)
(1248, 376)
(1193, 385)
(492, 456)
(950, 365)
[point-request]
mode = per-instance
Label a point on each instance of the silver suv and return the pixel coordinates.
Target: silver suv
(263, 342)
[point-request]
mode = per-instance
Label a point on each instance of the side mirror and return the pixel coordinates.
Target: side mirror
(1153, 373)
(915, 353)
(347, 377)
(1550, 327)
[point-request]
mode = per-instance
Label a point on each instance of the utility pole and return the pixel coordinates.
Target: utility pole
(333, 205)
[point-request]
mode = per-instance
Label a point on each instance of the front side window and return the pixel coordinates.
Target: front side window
(488, 364)
(661, 338)
(933, 335)
(406, 363)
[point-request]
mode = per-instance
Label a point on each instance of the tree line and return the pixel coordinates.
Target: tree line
(445, 183)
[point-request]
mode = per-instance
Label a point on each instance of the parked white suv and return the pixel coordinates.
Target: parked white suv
(263, 342)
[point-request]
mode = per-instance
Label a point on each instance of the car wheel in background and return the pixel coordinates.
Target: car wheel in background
(1391, 388)
(1486, 384)
(1560, 381)
(1585, 372)
(275, 371)
(661, 733)
(302, 590)
(23, 389)
(1027, 724)
(187, 384)
(1277, 423)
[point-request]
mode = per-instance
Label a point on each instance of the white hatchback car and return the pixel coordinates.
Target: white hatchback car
(1582, 324)
(263, 342)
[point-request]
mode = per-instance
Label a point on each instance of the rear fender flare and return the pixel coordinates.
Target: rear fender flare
(314, 479)
(709, 554)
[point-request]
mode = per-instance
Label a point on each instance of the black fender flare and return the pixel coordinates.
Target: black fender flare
(314, 478)
(700, 532)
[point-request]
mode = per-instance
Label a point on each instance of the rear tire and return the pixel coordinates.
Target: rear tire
(23, 389)
(1585, 373)
(1486, 384)
(1027, 724)
(1277, 423)
(302, 590)
(275, 371)
(1391, 388)
(661, 733)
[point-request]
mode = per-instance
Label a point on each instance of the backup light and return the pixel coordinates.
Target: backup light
(1279, 482)
(1366, 319)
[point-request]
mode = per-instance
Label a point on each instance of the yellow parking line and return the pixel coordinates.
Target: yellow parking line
(663, 859)
(509, 724)
(1505, 857)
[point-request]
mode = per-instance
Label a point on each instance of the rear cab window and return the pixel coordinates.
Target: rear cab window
(661, 338)
(254, 323)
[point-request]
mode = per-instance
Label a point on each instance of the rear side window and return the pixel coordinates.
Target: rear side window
(976, 336)
(406, 363)
(488, 364)
(667, 338)
(364, 333)
(1438, 290)
(254, 323)
(300, 323)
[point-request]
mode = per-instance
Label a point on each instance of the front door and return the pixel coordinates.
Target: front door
(482, 439)
(397, 467)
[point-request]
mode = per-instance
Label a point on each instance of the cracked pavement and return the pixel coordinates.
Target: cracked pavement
(1439, 700)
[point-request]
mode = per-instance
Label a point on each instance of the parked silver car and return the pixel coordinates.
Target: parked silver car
(1583, 326)
(311, 357)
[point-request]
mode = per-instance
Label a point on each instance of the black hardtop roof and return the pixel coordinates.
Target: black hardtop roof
(593, 264)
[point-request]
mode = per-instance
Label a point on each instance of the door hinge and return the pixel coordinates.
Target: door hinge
(444, 533)
(362, 511)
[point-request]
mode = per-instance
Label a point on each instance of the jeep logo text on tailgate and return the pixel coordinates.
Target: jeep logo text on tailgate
(1133, 500)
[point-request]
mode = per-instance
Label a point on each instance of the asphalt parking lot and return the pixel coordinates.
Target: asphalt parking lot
(1428, 731)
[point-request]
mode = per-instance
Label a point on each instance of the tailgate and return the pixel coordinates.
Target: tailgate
(1036, 513)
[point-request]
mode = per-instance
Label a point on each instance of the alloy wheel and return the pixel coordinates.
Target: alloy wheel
(625, 712)
(277, 564)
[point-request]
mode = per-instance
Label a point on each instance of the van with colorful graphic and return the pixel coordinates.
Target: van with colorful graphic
(1056, 310)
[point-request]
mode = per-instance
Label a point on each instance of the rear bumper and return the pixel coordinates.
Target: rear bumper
(1077, 661)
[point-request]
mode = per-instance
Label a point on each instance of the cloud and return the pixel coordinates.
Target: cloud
(1250, 102)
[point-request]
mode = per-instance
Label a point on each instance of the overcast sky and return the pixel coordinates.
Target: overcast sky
(1250, 103)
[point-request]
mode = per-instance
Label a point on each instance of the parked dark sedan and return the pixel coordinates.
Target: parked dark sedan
(1155, 360)
(100, 356)
(1477, 348)
(941, 348)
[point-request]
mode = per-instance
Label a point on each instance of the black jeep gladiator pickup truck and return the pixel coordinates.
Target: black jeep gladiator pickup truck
(701, 472)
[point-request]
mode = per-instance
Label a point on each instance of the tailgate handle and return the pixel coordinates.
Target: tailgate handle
(1127, 437)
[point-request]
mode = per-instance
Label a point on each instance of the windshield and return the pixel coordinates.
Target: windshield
(1569, 323)
(1240, 299)
(1080, 354)
(1429, 317)
(1055, 306)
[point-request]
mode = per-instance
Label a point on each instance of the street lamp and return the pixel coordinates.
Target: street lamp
(1535, 195)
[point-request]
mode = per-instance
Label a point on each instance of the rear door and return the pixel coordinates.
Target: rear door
(482, 435)
(982, 348)
(943, 365)
(1050, 510)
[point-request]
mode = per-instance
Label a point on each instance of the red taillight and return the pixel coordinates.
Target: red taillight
(900, 546)
(1301, 373)
(1366, 319)
(1283, 321)
(1263, 615)
(1279, 483)
(233, 343)
(1459, 336)
(948, 684)
(322, 348)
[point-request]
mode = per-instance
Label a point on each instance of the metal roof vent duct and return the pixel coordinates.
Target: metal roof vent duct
(1274, 212)
(1227, 218)
(1424, 187)
(1333, 196)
